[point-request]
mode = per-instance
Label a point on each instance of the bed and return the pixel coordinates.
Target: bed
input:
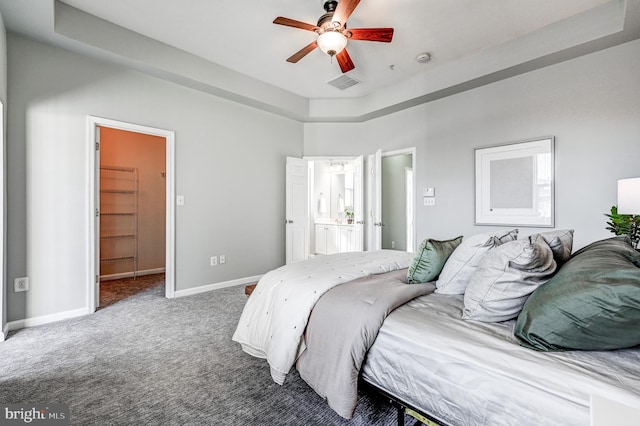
(472, 373)
(422, 353)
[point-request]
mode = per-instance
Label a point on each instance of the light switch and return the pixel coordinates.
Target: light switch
(180, 200)
(428, 192)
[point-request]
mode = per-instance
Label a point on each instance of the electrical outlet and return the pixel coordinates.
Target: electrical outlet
(214, 260)
(21, 284)
(223, 259)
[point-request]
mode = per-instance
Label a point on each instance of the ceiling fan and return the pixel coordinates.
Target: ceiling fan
(333, 34)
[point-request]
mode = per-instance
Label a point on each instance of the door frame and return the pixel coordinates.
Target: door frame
(362, 236)
(93, 176)
(4, 330)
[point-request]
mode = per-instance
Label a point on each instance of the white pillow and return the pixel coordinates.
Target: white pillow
(455, 274)
(500, 286)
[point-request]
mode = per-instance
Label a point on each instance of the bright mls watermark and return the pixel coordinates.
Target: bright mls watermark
(35, 414)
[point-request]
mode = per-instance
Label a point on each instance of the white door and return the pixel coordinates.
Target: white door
(96, 296)
(297, 210)
(410, 194)
(358, 204)
(377, 202)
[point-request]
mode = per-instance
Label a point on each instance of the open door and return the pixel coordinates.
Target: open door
(96, 289)
(297, 210)
(410, 197)
(391, 192)
(358, 203)
(377, 201)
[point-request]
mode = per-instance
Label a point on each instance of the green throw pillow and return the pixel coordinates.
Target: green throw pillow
(430, 259)
(592, 303)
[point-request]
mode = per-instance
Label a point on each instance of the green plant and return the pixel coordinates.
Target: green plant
(349, 214)
(624, 224)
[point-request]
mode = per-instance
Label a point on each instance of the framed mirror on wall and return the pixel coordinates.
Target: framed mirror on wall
(515, 183)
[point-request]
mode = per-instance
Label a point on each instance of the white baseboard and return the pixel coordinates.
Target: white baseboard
(4, 332)
(130, 274)
(45, 319)
(216, 286)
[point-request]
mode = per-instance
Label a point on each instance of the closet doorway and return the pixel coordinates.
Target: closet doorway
(134, 216)
(397, 209)
(390, 198)
(132, 212)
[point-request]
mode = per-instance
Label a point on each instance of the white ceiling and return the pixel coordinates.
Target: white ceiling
(240, 34)
(461, 35)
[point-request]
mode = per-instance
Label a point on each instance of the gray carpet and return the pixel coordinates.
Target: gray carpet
(113, 291)
(148, 360)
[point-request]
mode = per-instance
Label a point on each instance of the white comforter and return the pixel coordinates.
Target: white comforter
(275, 316)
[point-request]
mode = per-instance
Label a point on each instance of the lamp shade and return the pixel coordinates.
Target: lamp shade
(332, 42)
(629, 196)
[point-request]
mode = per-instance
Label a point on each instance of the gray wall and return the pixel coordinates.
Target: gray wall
(230, 162)
(230, 159)
(590, 104)
(3, 204)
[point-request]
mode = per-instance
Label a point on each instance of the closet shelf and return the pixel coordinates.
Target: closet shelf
(119, 259)
(118, 169)
(119, 185)
(117, 191)
(115, 237)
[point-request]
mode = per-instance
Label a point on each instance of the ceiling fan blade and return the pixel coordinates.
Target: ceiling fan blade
(372, 34)
(344, 60)
(344, 10)
(295, 24)
(302, 52)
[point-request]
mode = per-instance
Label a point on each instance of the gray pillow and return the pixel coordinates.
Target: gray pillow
(465, 259)
(429, 259)
(592, 303)
(508, 274)
(561, 244)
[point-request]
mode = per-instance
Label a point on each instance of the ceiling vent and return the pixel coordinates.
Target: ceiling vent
(343, 82)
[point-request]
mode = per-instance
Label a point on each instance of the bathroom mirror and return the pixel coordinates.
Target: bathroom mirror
(333, 188)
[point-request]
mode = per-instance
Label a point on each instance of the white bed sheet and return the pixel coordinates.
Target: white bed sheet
(472, 373)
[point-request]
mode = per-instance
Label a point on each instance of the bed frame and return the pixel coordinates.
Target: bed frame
(404, 408)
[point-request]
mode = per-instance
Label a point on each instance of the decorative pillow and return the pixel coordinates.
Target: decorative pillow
(561, 244)
(508, 274)
(466, 258)
(429, 259)
(592, 303)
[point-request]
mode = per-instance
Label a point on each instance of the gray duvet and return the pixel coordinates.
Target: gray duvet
(342, 327)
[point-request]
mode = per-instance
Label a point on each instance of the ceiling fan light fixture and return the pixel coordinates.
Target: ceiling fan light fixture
(332, 42)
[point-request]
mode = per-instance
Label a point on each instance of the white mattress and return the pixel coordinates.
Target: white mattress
(472, 373)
